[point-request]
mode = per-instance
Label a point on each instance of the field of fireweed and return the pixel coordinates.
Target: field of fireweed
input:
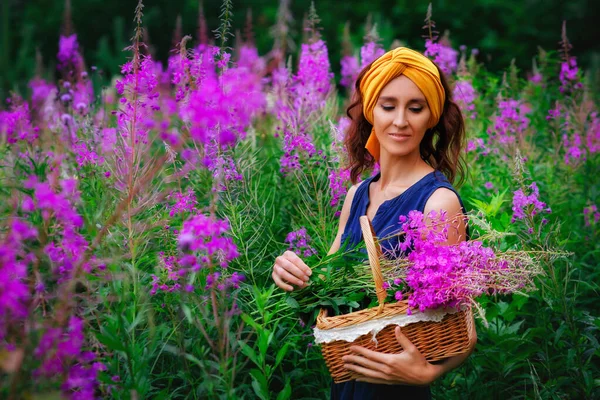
(139, 224)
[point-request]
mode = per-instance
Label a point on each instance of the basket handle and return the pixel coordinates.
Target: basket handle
(374, 251)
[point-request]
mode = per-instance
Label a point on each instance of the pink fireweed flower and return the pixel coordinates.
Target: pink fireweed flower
(14, 289)
(569, 81)
(15, 124)
(338, 181)
(473, 145)
(536, 78)
(440, 275)
(312, 83)
(138, 103)
(298, 102)
(444, 56)
(369, 52)
(82, 97)
(68, 53)
(206, 236)
(41, 91)
(574, 150)
(222, 165)
(592, 139)
(527, 204)
(350, 69)
(49, 202)
(61, 353)
(511, 122)
(351, 66)
(85, 156)
(296, 146)
(299, 242)
(184, 202)
(465, 95)
(251, 60)
(170, 272)
(591, 216)
(221, 109)
(554, 113)
(108, 140)
(70, 247)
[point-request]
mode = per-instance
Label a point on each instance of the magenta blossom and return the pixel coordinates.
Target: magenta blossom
(299, 242)
(527, 204)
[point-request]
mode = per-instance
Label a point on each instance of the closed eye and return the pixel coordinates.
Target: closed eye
(416, 110)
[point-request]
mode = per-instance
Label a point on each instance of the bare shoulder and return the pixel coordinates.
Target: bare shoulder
(443, 199)
(447, 200)
(352, 191)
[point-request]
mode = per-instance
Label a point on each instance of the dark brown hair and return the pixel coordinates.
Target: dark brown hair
(441, 147)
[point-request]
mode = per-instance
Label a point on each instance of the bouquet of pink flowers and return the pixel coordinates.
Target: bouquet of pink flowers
(433, 275)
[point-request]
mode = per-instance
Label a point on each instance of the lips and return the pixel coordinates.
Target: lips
(399, 137)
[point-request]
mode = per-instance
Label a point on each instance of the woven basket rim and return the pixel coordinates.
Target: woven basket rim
(354, 317)
(325, 322)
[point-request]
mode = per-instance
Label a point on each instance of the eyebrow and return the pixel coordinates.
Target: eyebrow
(391, 98)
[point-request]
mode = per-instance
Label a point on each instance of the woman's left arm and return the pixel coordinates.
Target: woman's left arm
(410, 367)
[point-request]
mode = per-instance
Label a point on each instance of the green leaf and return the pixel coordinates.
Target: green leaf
(514, 328)
(286, 393)
(249, 352)
(260, 384)
(293, 303)
(110, 341)
(193, 359)
(264, 339)
(187, 312)
(251, 322)
(558, 334)
(281, 354)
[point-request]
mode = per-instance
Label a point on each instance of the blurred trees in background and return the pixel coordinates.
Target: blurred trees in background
(499, 29)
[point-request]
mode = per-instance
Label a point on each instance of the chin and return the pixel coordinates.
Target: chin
(397, 151)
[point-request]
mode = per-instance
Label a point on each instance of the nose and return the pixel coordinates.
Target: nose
(400, 120)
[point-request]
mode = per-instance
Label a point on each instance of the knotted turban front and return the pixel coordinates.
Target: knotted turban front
(417, 68)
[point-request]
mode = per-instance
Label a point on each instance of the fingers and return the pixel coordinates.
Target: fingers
(280, 283)
(289, 270)
(370, 354)
(287, 276)
(365, 362)
(369, 373)
(293, 269)
(297, 261)
(403, 340)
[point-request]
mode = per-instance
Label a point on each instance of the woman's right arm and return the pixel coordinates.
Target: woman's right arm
(290, 270)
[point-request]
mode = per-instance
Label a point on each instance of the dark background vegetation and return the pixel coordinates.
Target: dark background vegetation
(500, 29)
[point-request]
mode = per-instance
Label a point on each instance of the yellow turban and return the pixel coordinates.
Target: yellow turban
(415, 67)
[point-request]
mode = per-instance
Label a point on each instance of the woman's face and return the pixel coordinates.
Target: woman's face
(400, 117)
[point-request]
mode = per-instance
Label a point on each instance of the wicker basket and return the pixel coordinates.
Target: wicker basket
(435, 340)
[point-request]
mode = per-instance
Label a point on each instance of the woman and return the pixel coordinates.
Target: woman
(404, 118)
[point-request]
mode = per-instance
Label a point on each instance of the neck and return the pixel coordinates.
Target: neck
(401, 171)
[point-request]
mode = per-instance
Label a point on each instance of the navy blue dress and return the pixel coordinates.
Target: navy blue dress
(385, 223)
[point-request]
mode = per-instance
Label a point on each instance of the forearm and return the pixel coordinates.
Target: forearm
(450, 363)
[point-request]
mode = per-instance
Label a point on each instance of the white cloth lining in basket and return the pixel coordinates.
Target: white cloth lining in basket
(374, 326)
